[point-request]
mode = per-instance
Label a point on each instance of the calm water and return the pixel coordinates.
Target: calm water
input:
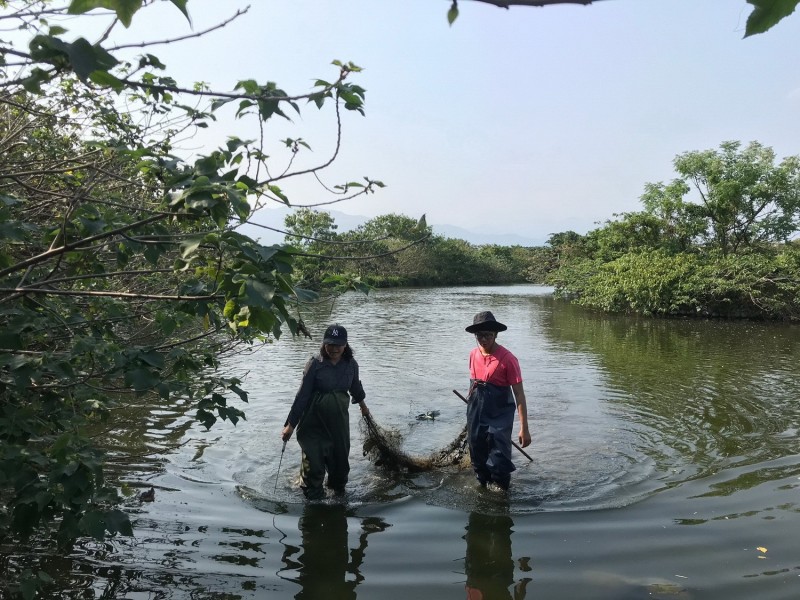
(666, 464)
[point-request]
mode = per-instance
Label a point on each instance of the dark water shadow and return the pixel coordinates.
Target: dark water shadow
(325, 565)
(489, 563)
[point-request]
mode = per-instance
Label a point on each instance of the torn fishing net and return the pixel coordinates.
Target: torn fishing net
(383, 447)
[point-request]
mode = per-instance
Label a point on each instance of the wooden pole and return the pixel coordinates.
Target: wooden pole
(525, 454)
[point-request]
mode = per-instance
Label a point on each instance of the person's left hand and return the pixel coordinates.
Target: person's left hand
(524, 438)
(364, 409)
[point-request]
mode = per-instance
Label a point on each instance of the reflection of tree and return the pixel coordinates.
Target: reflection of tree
(489, 564)
(326, 567)
(711, 389)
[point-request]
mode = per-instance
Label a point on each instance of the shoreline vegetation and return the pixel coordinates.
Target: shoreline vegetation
(719, 241)
(123, 274)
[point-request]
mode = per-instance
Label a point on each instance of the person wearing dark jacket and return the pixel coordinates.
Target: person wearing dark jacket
(320, 414)
(495, 394)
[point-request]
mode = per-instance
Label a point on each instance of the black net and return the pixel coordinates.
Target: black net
(383, 447)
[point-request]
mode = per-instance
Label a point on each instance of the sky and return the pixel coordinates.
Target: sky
(526, 121)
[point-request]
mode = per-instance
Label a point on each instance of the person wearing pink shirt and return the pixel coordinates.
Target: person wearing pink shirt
(495, 394)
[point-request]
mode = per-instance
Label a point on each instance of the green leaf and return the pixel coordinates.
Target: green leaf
(206, 166)
(181, 4)
(767, 13)
(12, 231)
(150, 60)
(277, 191)
(28, 587)
(304, 295)
(125, 9)
(106, 79)
(190, 245)
(141, 379)
(86, 58)
(118, 522)
(9, 200)
(33, 82)
(267, 252)
(230, 309)
(44, 577)
(259, 293)
(218, 102)
(238, 391)
(10, 341)
(48, 49)
(206, 418)
(152, 358)
(93, 524)
(452, 14)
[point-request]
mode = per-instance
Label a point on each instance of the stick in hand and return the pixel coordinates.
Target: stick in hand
(525, 454)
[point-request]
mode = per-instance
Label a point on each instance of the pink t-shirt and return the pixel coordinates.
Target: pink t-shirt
(499, 368)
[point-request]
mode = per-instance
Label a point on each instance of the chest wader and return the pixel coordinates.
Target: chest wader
(490, 419)
(324, 437)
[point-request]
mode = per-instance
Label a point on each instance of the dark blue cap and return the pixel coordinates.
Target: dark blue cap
(336, 335)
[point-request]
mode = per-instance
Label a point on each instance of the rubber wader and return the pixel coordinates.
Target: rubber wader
(324, 437)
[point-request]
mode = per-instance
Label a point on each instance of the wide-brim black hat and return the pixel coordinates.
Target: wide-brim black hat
(485, 321)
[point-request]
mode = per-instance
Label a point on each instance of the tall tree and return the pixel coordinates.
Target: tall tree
(741, 197)
(395, 226)
(122, 272)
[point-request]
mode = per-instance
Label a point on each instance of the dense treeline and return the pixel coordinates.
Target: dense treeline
(396, 250)
(717, 241)
(122, 273)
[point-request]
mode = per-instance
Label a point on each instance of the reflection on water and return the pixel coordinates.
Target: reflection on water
(640, 428)
(324, 565)
(489, 563)
(701, 395)
(413, 351)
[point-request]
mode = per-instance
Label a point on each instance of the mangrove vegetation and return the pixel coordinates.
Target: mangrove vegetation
(123, 272)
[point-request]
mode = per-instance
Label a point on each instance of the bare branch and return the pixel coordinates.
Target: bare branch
(388, 253)
(329, 161)
(39, 258)
(198, 34)
(510, 3)
(313, 239)
(46, 291)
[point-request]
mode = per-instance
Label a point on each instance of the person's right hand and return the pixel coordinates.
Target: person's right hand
(286, 434)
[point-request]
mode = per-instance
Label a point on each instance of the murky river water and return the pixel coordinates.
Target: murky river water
(666, 464)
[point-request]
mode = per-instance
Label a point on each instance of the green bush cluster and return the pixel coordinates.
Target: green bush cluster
(729, 255)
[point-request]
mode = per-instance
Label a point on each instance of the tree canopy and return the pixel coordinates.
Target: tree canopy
(719, 240)
(122, 272)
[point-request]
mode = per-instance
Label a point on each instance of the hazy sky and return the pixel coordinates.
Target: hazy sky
(528, 121)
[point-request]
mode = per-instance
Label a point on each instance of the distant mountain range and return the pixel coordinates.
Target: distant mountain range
(273, 217)
(481, 238)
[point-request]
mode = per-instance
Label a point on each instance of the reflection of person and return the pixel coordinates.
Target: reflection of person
(320, 414)
(326, 561)
(495, 388)
(323, 565)
(488, 564)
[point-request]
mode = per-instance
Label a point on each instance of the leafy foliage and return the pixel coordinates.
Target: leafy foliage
(397, 250)
(726, 252)
(767, 13)
(122, 273)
